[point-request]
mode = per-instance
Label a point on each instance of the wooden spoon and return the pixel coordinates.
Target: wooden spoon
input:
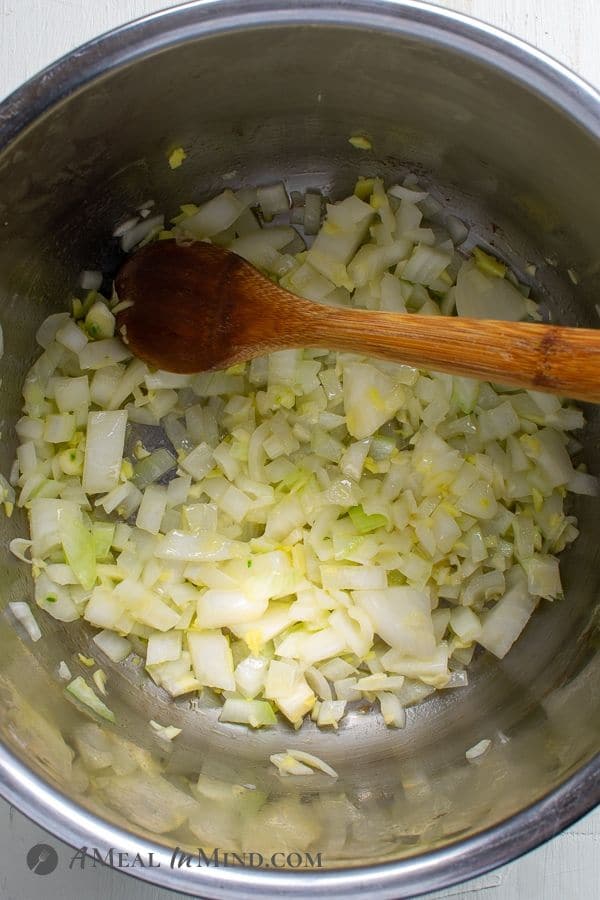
(199, 307)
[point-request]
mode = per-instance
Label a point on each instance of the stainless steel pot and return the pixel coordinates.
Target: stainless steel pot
(260, 89)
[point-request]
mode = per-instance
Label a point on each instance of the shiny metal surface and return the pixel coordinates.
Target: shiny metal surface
(260, 90)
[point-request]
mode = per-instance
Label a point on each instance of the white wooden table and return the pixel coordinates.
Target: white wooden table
(32, 34)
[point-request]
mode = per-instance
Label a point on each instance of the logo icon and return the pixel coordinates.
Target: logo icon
(42, 859)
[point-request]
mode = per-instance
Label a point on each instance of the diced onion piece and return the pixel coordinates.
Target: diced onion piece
(257, 713)
(152, 508)
(22, 612)
(583, 483)
(43, 523)
(298, 762)
(152, 467)
(478, 750)
(167, 732)
(71, 394)
(202, 547)
(287, 764)
(272, 200)
(46, 333)
(543, 577)
(457, 229)
(82, 692)
(63, 671)
(90, 280)
(19, 547)
(99, 679)
(138, 232)
(330, 712)
(79, 547)
(214, 216)
(312, 212)
(163, 647)
(483, 297)
(199, 462)
(488, 264)
(401, 616)
(314, 761)
(297, 703)
(72, 337)
(99, 321)
(353, 577)
(124, 498)
(211, 659)
(360, 142)
(59, 428)
(105, 439)
(218, 608)
(105, 611)
(101, 353)
(465, 623)
(504, 622)
(250, 676)
(392, 710)
(117, 648)
(120, 229)
(425, 265)
(370, 399)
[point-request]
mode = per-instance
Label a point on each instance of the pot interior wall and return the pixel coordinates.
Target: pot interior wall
(281, 102)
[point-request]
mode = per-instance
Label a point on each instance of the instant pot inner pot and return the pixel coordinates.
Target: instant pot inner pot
(256, 106)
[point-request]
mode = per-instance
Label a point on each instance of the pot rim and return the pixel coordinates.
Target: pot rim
(578, 101)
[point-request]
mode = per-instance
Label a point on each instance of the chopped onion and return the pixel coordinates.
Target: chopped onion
(313, 528)
(117, 648)
(82, 692)
(298, 762)
(22, 612)
(19, 547)
(152, 508)
(214, 216)
(79, 547)
(330, 712)
(405, 193)
(90, 280)
(478, 750)
(272, 200)
(481, 296)
(153, 467)
(72, 336)
(138, 232)
(312, 212)
(287, 764)
(106, 352)
(457, 230)
(103, 451)
(167, 732)
(257, 713)
(123, 227)
(47, 331)
(503, 623)
(163, 648)
(63, 671)
(99, 679)
(199, 462)
(583, 483)
(392, 710)
(211, 659)
(100, 322)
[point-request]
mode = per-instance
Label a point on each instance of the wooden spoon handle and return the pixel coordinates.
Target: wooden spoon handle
(539, 357)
